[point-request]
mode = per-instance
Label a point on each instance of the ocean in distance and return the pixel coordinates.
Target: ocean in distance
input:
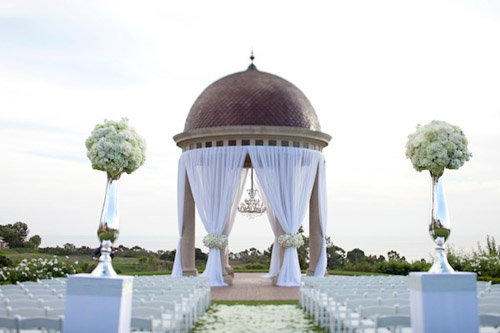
(153, 243)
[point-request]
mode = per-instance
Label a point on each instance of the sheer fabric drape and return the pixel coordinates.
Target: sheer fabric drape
(234, 207)
(214, 175)
(274, 266)
(320, 269)
(286, 177)
(181, 187)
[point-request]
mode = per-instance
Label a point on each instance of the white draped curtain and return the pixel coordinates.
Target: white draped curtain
(286, 176)
(234, 207)
(214, 175)
(274, 266)
(320, 269)
(181, 187)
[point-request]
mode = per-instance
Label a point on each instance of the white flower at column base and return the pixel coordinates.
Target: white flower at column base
(290, 240)
(211, 241)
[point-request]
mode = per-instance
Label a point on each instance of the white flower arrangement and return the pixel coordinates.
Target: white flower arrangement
(436, 146)
(211, 241)
(222, 318)
(115, 147)
(291, 240)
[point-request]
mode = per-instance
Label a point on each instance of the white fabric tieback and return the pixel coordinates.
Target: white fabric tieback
(218, 241)
(291, 240)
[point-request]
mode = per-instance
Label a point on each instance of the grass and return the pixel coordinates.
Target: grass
(352, 273)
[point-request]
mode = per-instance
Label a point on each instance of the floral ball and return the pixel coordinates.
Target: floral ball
(114, 147)
(437, 146)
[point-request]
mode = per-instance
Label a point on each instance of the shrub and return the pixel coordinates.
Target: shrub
(255, 266)
(31, 270)
(485, 265)
(4, 261)
(419, 266)
(394, 267)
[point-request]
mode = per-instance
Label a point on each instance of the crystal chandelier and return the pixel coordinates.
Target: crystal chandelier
(252, 206)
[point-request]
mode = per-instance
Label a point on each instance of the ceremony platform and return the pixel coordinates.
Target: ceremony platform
(251, 287)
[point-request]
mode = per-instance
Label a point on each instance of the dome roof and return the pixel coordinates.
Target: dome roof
(252, 98)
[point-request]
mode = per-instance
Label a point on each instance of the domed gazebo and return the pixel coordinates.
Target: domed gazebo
(252, 119)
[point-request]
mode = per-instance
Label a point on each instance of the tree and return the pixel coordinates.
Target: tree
(335, 255)
(35, 241)
(394, 256)
(303, 251)
(14, 234)
(355, 256)
(69, 246)
(21, 229)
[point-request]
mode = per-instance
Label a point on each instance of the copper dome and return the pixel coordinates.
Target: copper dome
(252, 98)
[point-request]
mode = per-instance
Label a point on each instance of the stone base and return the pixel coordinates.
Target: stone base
(228, 279)
(189, 272)
(275, 280)
(230, 271)
(98, 304)
(445, 302)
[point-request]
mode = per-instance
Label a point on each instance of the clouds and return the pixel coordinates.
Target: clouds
(372, 70)
(71, 44)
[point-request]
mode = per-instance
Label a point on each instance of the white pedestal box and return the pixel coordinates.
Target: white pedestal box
(444, 302)
(98, 304)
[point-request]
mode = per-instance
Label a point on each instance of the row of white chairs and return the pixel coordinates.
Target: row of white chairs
(336, 303)
(159, 304)
(18, 324)
(356, 303)
(169, 304)
(32, 311)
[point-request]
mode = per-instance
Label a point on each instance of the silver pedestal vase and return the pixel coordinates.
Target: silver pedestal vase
(439, 226)
(108, 228)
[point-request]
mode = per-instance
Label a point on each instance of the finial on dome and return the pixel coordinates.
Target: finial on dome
(252, 66)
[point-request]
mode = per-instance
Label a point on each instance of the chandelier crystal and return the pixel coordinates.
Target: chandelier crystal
(252, 206)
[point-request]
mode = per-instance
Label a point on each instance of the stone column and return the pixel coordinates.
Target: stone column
(282, 254)
(225, 275)
(187, 241)
(315, 237)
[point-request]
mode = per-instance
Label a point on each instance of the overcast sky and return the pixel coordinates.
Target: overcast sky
(373, 70)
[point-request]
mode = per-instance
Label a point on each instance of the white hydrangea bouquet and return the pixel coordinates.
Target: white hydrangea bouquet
(437, 146)
(291, 240)
(219, 241)
(114, 147)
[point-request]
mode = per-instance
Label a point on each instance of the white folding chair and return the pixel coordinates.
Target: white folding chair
(23, 303)
(489, 300)
(489, 320)
(54, 312)
(10, 323)
(351, 315)
(29, 312)
(489, 308)
(53, 303)
(142, 324)
(171, 317)
(147, 312)
(392, 323)
(366, 317)
(41, 323)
